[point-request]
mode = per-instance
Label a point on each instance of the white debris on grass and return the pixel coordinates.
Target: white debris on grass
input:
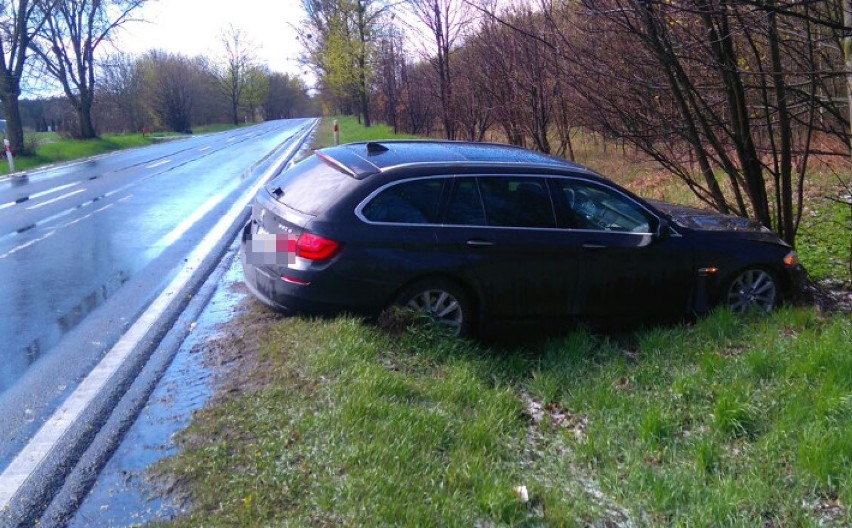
(613, 513)
(522, 493)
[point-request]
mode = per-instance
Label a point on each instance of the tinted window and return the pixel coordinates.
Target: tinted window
(517, 202)
(465, 206)
(589, 206)
(311, 186)
(414, 202)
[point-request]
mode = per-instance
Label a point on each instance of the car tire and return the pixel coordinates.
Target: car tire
(752, 289)
(443, 300)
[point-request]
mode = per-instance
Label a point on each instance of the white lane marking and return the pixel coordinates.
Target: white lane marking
(155, 165)
(40, 194)
(48, 202)
(67, 224)
(51, 191)
(48, 436)
(93, 213)
(172, 236)
(26, 244)
(202, 149)
(232, 138)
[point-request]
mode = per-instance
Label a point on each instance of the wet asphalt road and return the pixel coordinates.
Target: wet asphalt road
(85, 247)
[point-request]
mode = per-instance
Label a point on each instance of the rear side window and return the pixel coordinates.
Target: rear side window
(311, 186)
(465, 205)
(517, 202)
(414, 202)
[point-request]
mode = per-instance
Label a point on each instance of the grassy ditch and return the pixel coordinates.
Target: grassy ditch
(728, 421)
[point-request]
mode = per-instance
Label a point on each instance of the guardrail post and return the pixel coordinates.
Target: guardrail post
(336, 133)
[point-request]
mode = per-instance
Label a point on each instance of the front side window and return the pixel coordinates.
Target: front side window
(414, 202)
(594, 207)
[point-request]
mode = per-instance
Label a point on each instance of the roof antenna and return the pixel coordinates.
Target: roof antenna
(375, 148)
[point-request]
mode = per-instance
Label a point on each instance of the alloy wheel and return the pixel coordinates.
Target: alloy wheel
(442, 306)
(753, 289)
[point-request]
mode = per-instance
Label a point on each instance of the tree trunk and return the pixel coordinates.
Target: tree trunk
(363, 95)
(14, 127)
(87, 129)
(84, 115)
(787, 229)
(847, 55)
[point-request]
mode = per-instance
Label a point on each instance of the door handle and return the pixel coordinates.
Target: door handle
(592, 245)
(479, 243)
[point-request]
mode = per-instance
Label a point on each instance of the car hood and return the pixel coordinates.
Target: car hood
(703, 220)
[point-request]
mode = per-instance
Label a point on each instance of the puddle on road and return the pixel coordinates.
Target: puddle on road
(17, 361)
(123, 496)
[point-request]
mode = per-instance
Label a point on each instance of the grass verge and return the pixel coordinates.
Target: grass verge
(728, 421)
(51, 148)
(59, 150)
(351, 131)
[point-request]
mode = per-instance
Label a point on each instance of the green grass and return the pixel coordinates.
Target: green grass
(51, 149)
(218, 127)
(730, 421)
(352, 131)
(825, 239)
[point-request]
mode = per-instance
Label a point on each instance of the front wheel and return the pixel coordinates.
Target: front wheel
(443, 301)
(753, 289)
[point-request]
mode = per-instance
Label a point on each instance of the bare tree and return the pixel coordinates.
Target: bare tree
(73, 31)
(20, 20)
(119, 105)
(234, 71)
(172, 86)
(287, 97)
(446, 21)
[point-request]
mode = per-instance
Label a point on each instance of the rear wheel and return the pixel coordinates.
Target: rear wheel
(753, 289)
(443, 301)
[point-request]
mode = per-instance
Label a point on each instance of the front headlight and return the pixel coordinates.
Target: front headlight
(791, 259)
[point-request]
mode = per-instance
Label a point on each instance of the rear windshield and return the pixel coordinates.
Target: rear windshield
(310, 186)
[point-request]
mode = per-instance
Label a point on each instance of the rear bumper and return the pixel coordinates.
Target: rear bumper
(272, 291)
(326, 294)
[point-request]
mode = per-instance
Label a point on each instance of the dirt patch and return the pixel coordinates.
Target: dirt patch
(234, 355)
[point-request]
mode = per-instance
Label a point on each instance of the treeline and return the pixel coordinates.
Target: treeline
(169, 91)
(731, 96)
(60, 42)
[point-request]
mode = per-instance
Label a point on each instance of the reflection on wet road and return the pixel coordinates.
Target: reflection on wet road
(74, 237)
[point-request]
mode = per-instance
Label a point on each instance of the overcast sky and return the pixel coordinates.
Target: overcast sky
(193, 27)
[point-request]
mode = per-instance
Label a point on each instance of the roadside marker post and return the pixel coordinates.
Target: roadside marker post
(336, 133)
(9, 155)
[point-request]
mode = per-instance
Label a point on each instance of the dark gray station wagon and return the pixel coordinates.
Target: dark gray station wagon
(473, 233)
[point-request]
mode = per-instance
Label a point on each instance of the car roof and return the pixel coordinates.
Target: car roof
(363, 159)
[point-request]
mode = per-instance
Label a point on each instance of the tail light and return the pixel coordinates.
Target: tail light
(315, 247)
